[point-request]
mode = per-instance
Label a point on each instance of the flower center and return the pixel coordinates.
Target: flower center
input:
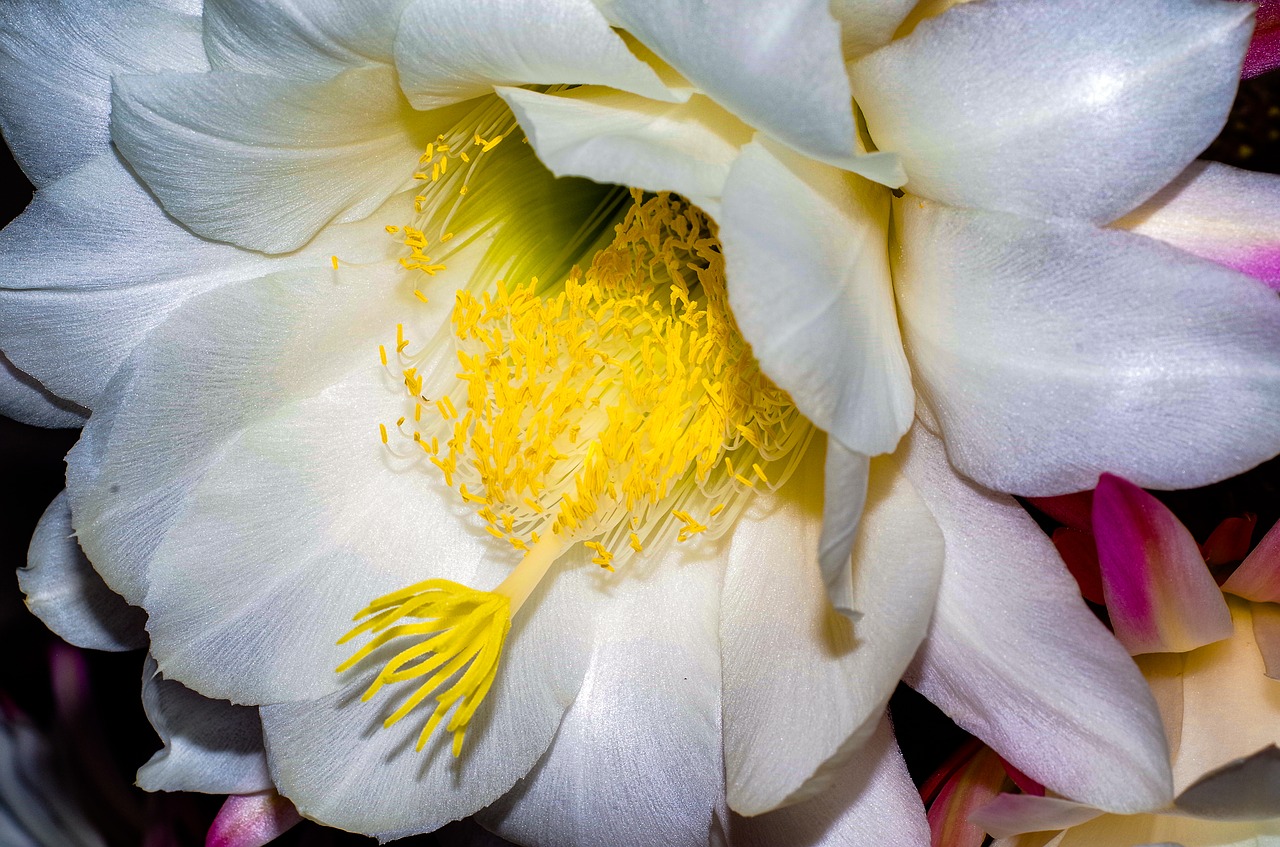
(618, 407)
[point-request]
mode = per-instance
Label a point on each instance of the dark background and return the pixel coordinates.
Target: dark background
(98, 749)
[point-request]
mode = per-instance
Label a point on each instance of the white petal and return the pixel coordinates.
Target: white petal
(158, 432)
(314, 40)
(24, 399)
(612, 136)
(1224, 214)
(776, 64)
(637, 760)
(452, 50)
(72, 323)
(1015, 657)
(1077, 108)
(806, 252)
(1053, 351)
(281, 443)
(64, 591)
(868, 24)
(844, 497)
(277, 159)
(336, 762)
(57, 58)
(210, 746)
(1014, 814)
(871, 801)
(803, 685)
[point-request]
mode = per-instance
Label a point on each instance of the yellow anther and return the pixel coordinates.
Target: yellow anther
(334, 261)
(420, 295)
(382, 354)
(382, 429)
(760, 473)
(717, 509)
(471, 498)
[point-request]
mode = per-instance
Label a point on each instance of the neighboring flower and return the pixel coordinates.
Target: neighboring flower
(367, 339)
(1212, 664)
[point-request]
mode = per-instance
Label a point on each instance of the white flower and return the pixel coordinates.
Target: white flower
(231, 482)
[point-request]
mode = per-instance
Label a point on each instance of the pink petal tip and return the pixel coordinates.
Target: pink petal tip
(252, 820)
(1158, 590)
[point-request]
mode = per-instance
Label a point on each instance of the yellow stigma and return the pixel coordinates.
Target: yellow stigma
(461, 633)
(614, 404)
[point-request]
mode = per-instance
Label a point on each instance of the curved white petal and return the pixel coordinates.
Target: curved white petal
(24, 399)
(803, 685)
(264, 162)
(212, 512)
(210, 746)
(72, 323)
(322, 521)
(808, 266)
(1053, 351)
(336, 762)
(63, 590)
(160, 427)
(868, 24)
(871, 800)
(1221, 213)
(1015, 657)
(314, 40)
(452, 50)
(776, 64)
(649, 706)
(1015, 814)
(57, 58)
(1076, 108)
(845, 477)
(612, 136)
